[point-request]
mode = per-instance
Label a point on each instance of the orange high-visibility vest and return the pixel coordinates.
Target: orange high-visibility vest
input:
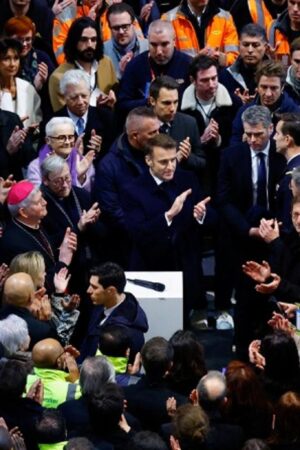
(259, 13)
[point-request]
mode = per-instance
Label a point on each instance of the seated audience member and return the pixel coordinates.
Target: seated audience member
(84, 50)
(17, 95)
(18, 294)
(64, 313)
(24, 232)
(124, 162)
(283, 30)
(147, 398)
(281, 372)
(95, 373)
(286, 432)
(56, 367)
(16, 150)
(95, 123)
(239, 78)
(51, 431)
(113, 306)
(124, 43)
(292, 84)
(162, 59)
(191, 427)
(107, 420)
(247, 404)
(182, 128)
(16, 410)
(36, 65)
(167, 236)
(188, 362)
(14, 334)
(270, 77)
(60, 139)
(203, 27)
(261, 12)
(114, 344)
(146, 440)
(81, 443)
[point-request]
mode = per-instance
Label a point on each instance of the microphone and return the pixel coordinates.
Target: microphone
(160, 287)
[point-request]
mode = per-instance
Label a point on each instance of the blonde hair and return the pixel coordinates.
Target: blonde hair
(30, 262)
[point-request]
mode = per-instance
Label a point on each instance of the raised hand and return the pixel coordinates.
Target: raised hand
(211, 132)
(269, 230)
(95, 142)
(16, 139)
(72, 304)
(61, 280)
(184, 149)
(269, 288)
(200, 209)
(68, 247)
(258, 272)
(89, 217)
(85, 163)
(177, 205)
(41, 76)
(244, 96)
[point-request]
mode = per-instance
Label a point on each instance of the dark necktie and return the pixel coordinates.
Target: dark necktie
(261, 180)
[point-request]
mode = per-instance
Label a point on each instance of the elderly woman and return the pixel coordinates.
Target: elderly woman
(14, 334)
(17, 95)
(60, 139)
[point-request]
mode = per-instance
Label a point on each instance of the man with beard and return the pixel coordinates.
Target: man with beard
(84, 50)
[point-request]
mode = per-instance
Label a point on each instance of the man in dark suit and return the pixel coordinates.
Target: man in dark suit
(246, 193)
(162, 215)
(287, 140)
(95, 123)
(181, 127)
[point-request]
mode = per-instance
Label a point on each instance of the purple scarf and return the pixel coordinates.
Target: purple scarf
(71, 160)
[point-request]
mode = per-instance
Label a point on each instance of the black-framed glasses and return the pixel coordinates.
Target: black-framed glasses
(63, 137)
(124, 27)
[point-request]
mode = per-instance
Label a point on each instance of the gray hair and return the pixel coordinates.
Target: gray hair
(14, 209)
(52, 164)
(95, 372)
(296, 176)
(211, 389)
(159, 26)
(13, 333)
(255, 115)
(74, 77)
(52, 124)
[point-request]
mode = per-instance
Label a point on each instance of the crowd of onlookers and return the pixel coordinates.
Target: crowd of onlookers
(148, 134)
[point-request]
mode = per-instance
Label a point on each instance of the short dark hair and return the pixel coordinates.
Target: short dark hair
(119, 8)
(147, 440)
(106, 408)
(51, 427)
(163, 81)
(201, 62)
(160, 140)
(110, 274)
(253, 30)
(79, 443)
(291, 125)
(114, 341)
(13, 377)
(74, 34)
(270, 69)
(9, 44)
(295, 45)
(157, 357)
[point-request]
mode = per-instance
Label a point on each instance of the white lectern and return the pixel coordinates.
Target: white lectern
(164, 309)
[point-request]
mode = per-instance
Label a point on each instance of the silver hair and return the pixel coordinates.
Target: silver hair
(14, 209)
(52, 164)
(13, 333)
(52, 124)
(73, 77)
(296, 176)
(255, 115)
(95, 372)
(212, 387)
(159, 26)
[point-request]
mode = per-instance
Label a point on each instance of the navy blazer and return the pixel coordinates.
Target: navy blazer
(235, 192)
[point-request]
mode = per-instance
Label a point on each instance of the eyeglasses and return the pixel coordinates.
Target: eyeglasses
(119, 28)
(63, 138)
(24, 40)
(58, 182)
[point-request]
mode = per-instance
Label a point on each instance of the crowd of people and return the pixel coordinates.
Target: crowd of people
(136, 135)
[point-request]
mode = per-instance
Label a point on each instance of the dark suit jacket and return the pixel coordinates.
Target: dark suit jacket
(284, 195)
(98, 119)
(235, 192)
(184, 126)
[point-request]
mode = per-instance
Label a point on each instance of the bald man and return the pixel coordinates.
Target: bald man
(50, 359)
(17, 298)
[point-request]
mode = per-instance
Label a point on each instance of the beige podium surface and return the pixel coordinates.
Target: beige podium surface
(164, 310)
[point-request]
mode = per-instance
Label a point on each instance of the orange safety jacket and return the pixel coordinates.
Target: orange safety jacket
(220, 34)
(259, 13)
(275, 36)
(62, 24)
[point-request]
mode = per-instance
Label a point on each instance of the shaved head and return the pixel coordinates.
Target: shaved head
(46, 352)
(18, 289)
(160, 26)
